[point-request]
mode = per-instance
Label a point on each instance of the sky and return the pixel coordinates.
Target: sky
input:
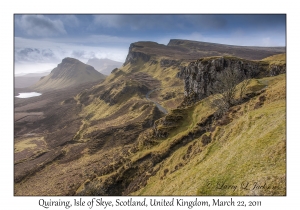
(41, 41)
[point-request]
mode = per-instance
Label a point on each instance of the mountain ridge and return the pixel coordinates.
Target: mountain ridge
(174, 42)
(178, 49)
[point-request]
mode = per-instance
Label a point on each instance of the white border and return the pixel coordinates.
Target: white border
(8, 201)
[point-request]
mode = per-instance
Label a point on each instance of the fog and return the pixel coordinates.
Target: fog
(36, 56)
(26, 68)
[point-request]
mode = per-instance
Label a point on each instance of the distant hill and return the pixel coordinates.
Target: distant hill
(39, 75)
(104, 66)
(26, 80)
(70, 72)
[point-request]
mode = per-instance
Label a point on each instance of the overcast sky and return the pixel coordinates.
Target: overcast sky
(42, 41)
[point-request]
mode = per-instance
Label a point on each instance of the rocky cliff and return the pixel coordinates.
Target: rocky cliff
(134, 53)
(200, 76)
(277, 69)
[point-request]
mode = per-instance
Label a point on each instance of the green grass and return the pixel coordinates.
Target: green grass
(241, 150)
(279, 59)
(249, 150)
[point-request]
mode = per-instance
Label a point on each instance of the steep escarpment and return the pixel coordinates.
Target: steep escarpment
(69, 73)
(200, 77)
(135, 54)
(191, 50)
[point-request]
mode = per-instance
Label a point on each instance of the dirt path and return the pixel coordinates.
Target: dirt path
(162, 109)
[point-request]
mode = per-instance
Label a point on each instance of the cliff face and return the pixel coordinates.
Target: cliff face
(277, 69)
(134, 55)
(200, 76)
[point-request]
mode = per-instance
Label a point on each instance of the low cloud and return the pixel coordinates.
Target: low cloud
(44, 54)
(34, 55)
(21, 68)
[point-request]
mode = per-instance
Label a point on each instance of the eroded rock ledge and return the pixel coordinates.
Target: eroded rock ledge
(200, 76)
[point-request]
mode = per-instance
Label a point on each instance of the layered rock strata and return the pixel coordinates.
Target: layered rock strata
(200, 76)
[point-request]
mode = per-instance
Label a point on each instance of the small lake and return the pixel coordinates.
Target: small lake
(28, 95)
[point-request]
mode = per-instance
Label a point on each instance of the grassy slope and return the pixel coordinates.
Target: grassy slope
(69, 75)
(278, 59)
(169, 82)
(97, 115)
(252, 148)
(203, 157)
(167, 76)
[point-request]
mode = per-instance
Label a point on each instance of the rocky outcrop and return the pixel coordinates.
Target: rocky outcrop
(277, 69)
(153, 62)
(200, 76)
(168, 63)
(133, 56)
